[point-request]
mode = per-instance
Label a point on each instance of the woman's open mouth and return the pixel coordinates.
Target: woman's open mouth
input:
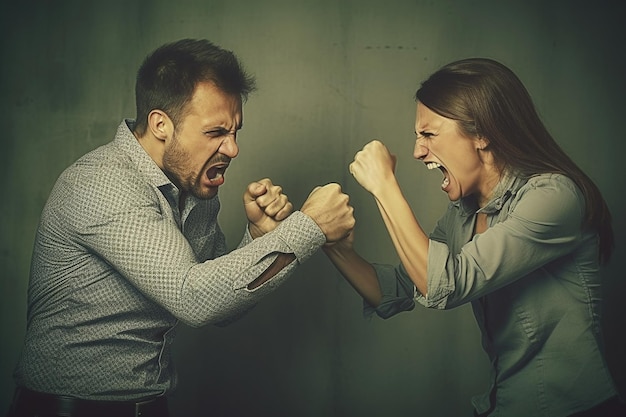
(446, 179)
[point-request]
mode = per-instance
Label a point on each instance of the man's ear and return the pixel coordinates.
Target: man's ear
(160, 124)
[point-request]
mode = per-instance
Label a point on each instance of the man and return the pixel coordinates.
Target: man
(129, 244)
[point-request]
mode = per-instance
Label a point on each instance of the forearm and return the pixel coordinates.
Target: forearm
(357, 271)
(409, 239)
(222, 288)
(279, 263)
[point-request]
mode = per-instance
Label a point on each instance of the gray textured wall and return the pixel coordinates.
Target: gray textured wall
(332, 76)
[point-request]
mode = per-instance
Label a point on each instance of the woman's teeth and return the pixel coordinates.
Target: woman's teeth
(435, 165)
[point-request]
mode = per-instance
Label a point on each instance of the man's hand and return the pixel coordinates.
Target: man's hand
(266, 206)
(329, 208)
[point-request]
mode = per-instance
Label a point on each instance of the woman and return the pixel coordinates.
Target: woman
(522, 241)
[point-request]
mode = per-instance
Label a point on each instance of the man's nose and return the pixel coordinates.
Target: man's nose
(229, 146)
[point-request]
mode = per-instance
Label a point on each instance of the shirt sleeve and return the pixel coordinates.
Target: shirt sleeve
(126, 229)
(398, 292)
(543, 224)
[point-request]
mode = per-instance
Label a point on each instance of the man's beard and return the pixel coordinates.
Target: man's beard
(177, 168)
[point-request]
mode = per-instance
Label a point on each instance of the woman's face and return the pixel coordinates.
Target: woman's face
(465, 164)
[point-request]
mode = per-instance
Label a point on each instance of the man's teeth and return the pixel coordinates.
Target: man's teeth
(445, 182)
(433, 165)
(217, 176)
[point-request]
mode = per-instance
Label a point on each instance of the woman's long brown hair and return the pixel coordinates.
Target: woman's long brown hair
(488, 100)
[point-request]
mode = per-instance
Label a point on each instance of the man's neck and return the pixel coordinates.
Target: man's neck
(152, 146)
(181, 201)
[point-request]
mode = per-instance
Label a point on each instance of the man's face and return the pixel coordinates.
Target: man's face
(204, 142)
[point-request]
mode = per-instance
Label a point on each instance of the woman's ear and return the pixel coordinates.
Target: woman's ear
(481, 143)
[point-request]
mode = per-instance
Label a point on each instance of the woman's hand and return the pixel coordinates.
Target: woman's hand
(373, 166)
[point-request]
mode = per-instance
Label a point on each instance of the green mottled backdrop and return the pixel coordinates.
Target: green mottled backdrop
(332, 76)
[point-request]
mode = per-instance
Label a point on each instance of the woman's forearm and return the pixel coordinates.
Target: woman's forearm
(374, 169)
(409, 239)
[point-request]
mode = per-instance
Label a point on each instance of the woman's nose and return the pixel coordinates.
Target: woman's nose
(421, 150)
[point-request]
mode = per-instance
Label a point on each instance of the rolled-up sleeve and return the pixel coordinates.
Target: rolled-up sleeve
(397, 290)
(542, 224)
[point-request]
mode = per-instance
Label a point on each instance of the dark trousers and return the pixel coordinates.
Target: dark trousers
(27, 403)
(612, 407)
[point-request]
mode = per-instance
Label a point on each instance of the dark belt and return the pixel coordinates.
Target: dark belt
(27, 403)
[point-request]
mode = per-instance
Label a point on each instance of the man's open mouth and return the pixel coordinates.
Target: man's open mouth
(215, 173)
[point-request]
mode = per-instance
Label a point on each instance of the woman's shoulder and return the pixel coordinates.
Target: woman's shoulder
(549, 195)
(552, 180)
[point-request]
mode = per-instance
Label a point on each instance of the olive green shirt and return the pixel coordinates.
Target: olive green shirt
(533, 281)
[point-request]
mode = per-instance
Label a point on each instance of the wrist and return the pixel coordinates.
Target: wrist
(387, 190)
(336, 249)
(255, 231)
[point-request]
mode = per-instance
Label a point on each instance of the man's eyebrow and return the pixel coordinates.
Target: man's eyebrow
(222, 128)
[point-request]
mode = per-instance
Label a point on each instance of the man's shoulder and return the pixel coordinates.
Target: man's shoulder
(107, 163)
(103, 178)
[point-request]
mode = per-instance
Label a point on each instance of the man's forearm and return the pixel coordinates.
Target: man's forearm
(281, 261)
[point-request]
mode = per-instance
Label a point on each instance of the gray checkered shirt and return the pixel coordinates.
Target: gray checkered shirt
(116, 266)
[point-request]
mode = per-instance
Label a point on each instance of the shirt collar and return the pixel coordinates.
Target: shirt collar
(129, 144)
(507, 187)
(154, 175)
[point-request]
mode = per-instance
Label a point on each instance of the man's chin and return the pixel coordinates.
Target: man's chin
(210, 193)
(205, 193)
